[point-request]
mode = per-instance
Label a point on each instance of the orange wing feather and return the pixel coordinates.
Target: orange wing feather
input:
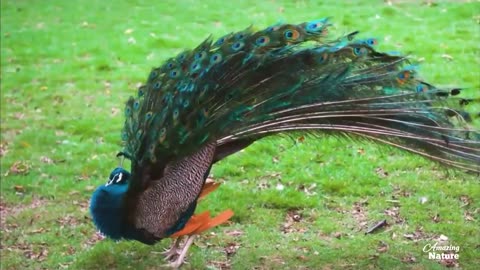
(202, 222)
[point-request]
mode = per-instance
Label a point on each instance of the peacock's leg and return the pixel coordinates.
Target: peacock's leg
(173, 251)
(180, 260)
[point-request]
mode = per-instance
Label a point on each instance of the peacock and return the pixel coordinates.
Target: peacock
(217, 99)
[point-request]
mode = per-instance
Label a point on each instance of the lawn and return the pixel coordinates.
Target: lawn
(67, 67)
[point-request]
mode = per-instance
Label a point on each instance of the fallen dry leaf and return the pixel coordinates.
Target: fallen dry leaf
(94, 238)
(409, 259)
(382, 247)
(451, 262)
(68, 221)
(263, 184)
(19, 188)
(3, 148)
(234, 233)
(359, 214)
(115, 111)
(465, 200)
(220, 265)
(447, 56)
(231, 249)
(381, 172)
(468, 216)
(394, 212)
(47, 160)
(291, 218)
(20, 167)
(308, 190)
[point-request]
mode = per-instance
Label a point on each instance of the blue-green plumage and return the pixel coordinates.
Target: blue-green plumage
(220, 97)
(109, 216)
(108, 210)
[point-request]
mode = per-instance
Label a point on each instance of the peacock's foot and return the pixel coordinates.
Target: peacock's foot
(179, 260)
(173, 252)
(175, 264)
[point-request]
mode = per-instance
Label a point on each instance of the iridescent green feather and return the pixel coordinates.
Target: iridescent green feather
(287, 77)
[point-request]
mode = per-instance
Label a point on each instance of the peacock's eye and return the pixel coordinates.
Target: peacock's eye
(115, 179)
(117, 176)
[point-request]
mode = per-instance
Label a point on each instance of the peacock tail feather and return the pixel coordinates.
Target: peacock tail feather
(286, 78)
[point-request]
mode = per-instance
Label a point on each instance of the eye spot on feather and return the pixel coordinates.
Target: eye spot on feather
(162, 135)
(421, 88)
(312, 26)
(182, 87)
(174, 73)
(200, 55)
(195, 66)
(271, 28)
(237, 45)
(239, 36)
(291, 34)
(317, 26)
(323, 58)
(153, 75)
(151, 149)
(136, 105)
(128, 112)
(371, 41)
(157, 85)
(359, 51)
(176, 112)
(220, 41)
(403, 76)
(170, 65)
(262, 41)
(182, 56)
(148, 116)
(141, 91)
(215, 58)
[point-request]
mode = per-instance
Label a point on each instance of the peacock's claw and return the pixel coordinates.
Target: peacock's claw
(175, 264)
(170, 254)
(173, 252)
(179, 259)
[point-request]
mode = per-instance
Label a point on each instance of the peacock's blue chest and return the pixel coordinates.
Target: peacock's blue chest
(106, 208)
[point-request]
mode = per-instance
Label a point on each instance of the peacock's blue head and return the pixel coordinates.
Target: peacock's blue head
(107, 205)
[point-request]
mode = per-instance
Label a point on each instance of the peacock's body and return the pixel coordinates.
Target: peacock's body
(217, 99)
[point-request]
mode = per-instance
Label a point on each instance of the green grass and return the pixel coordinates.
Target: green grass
(68, 66)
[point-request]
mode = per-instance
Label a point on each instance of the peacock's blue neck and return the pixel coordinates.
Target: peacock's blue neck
(106, 208)
(109, 214)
